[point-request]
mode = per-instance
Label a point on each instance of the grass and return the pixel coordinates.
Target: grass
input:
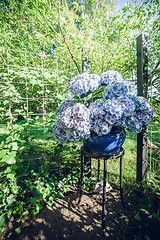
(154, 132)
(129, 164)
(43, 138)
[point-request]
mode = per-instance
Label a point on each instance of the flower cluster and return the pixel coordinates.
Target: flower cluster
(110, 76)
(120, 106)
(84, 83)
(133, 124)
(73, 123)
(144, 112)
(118, 89)
(62, 108)
(97, 113)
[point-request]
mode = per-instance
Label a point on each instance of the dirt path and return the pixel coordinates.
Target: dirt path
(64, 221)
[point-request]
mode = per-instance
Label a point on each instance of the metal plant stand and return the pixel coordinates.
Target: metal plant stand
(86, 154)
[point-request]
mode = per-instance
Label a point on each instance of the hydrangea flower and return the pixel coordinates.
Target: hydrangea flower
(119, 89)
(97, 114)
(84, 83)
(74, 124)
(101, 127)
(97, 110)
(111, 76)
(131, 89)
(77, 117)
(143, 110)
(114, 111)
(121, 122)
(61, 109)
(145, 118)
(61, 134)
(119, 107)
(141, 104)
(133, 124)
(127, 105)
(115, 90)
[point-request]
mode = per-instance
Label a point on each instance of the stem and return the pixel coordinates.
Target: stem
(67, 45)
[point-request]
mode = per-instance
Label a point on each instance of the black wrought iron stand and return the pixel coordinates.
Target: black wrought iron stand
(85, 153)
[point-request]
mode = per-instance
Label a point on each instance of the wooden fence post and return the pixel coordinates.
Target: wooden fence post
(142, 86)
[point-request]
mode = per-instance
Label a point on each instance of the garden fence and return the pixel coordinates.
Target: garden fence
(34, 91)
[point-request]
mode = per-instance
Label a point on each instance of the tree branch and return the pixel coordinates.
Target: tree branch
(155, 70)
(67, 45)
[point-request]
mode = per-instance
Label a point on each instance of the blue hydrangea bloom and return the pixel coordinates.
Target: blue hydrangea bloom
(120, 89)
(120, 107)
(143, 110)
(133, 124)
(84, 83)
(141, 104)
(73, 124)
(97, 113)
(97, 110)
(113, 111)
(77, 117)
(110, 76)
(145, 117)
(61, 109)
(121, 122)
(61, 133)
(127, 105)
(131, 89)
(115, 90)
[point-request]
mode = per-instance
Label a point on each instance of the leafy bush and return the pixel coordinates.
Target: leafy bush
(31, 177)
(148, 217)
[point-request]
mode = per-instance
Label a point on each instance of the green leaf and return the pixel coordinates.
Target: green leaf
(10, 199)
(11, 176)
(7, 170)
(126, 8)
(156, 2)
(14, 146)
(18, 230)
(137, 217)
(3, 220)
(60, 96)
(148, 7)
(149, 14)
(8, 157)
(25, 214)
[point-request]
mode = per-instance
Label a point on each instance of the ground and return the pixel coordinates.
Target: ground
(65, 221)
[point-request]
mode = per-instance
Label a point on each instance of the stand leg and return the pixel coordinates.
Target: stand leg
(81, 183)
(98, 169)
(87, 163)
(121, 183)
(104, 199)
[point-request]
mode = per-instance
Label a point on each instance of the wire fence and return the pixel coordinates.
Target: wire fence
(29, 89)
(34, 84)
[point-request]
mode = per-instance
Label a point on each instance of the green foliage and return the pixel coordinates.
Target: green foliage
(41, 46)
(26, 183)
(148, 218)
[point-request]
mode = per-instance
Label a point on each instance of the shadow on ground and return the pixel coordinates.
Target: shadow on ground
(64, 221)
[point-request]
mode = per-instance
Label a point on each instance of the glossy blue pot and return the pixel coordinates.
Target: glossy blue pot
(108, 143)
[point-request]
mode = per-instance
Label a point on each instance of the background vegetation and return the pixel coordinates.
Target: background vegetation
(42, 46)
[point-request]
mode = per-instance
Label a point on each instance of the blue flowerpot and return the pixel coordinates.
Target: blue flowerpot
(108, 143)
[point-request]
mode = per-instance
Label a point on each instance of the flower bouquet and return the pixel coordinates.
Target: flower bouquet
(100, 105)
